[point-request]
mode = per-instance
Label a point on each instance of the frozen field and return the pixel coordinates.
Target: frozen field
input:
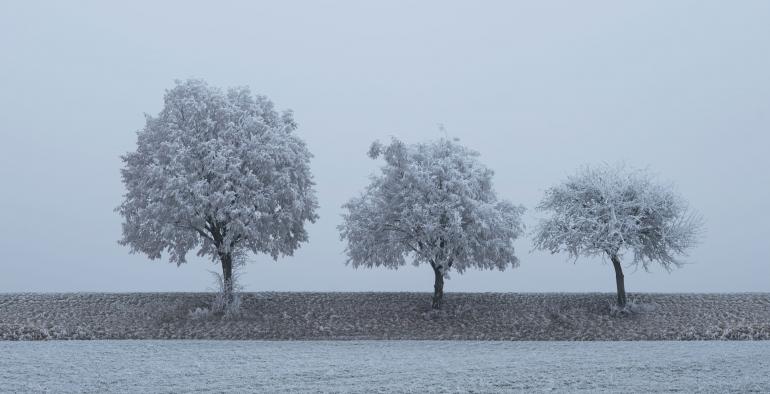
(383, 366)
(363, 316)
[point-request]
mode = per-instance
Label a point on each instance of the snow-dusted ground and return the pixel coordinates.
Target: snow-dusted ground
(385, 316)
(383, 366)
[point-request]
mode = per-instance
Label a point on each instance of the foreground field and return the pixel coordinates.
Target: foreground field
(383, 366)
(350, 316)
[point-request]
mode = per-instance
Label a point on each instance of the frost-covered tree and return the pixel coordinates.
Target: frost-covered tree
(432, 203)
(608, 210)
(217, 171)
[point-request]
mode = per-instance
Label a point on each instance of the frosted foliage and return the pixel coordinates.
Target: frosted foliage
(611, 209)
(432, 203)
(220, 172)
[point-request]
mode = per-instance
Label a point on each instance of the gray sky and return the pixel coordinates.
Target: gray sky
(538, 88)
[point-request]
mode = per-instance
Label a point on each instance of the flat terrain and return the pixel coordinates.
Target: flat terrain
(362, 316)
(383, 366)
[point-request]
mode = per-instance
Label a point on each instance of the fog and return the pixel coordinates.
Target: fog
(538, 89)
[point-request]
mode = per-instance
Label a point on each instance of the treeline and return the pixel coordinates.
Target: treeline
(222, 172)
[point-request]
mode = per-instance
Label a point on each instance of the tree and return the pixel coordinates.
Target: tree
(218, 171)
(432, 203)
(608, 210)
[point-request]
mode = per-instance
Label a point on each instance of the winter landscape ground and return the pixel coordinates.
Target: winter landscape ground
(368, 316)
(384, 366)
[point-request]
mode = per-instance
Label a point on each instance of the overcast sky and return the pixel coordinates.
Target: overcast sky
(681, 87)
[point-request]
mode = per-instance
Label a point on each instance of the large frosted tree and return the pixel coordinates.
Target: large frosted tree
(610, 210)
(217, 171)
(432, 203)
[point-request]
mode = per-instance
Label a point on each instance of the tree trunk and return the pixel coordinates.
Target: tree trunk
(438, 288)
(619, 281)
(227, 276)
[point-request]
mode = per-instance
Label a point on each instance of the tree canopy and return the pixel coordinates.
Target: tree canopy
(607, 210)
(217, 171)
(432, 203)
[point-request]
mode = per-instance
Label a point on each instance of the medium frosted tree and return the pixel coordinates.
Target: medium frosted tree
(610, 210)
(217, 171)
(432, 203)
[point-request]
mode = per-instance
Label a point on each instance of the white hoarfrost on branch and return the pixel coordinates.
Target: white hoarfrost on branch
(608, 210)
(217, 171)
(432, 203)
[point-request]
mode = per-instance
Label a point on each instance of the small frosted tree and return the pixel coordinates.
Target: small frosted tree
(608, 210)
(432, 203)
(220, 172)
